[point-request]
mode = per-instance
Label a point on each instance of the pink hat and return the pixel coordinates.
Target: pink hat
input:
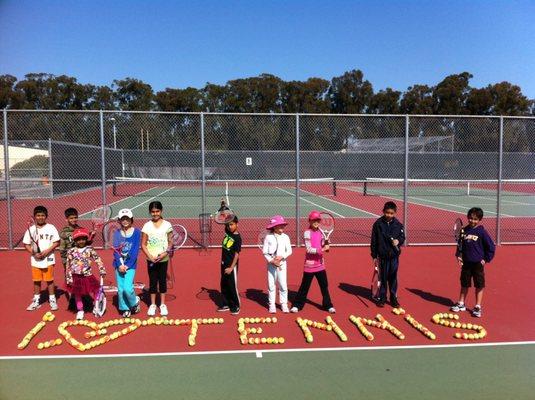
(276, 221)
(314, 215)
(80, 232)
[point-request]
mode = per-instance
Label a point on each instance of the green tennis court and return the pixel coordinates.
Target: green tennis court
(410, 373)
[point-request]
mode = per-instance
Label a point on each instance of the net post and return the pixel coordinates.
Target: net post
(102, 156)
(203, 177)
(297, 183)
(8, 187)
(50, 176)
(406, 182)
(468, 188)
(499, 192)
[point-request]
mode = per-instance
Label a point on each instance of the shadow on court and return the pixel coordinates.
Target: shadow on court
(428, 296)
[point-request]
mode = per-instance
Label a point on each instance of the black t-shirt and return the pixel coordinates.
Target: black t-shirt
(231, 245)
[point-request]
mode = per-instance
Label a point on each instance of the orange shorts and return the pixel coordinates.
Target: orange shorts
(43, 274)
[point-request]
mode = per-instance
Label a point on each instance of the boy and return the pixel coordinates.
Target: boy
(229, 268)
(41, 245)
(475, 249)
(66, 240)
(387, 237)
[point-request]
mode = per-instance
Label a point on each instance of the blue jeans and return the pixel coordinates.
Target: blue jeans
(388, 274)
(125, 289)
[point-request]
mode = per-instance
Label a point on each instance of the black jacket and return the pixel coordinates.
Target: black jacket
(382, 234)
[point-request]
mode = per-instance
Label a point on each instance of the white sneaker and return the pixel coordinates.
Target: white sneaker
(152, 310)
(285, 308)
(272, 309)
(53, 304)
(34, 305)
(163, 310)
(332, 310)
(80, 315)
(294, 310)
(137, 307)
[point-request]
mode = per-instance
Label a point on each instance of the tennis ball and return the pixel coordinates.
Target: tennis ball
(268, 320)
(310, 338)
(458, 335)
(246, 320)
(281, 340)
(269, 340)
(41, 346)
(251, 340)
(221, 320)
(263, 340)
(257, 341)
(275, 340)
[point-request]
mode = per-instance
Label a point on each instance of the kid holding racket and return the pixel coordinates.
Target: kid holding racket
(314, 265)
(66, 241)
(387, 237)
(80, 278)
(126, 242)
(230, 254)
(476, 250)
(40, 240)
(277, 248)
(155, 240)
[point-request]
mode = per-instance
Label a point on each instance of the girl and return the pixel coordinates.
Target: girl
(277, 248)
(314, 265)
(128, 240)
(155, 240)
(80, 278)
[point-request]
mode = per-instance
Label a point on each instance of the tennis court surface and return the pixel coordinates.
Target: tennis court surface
(157, 361)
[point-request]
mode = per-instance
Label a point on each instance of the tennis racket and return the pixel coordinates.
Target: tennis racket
(224, 216)
(261, 238)
(34, 237)
(100, 300)
(326, 226)
(100, 216)
(458, 232)
(113, 288)
(376, 284)
(178, 238)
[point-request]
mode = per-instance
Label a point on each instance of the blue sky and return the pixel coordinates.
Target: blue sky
(188, 43)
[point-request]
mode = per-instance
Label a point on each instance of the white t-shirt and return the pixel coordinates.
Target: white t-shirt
(45, 236)
(157, 242)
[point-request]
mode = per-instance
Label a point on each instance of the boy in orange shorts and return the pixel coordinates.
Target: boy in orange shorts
(40, 240)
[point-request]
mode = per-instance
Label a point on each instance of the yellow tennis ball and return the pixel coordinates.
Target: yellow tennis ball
(281, 340)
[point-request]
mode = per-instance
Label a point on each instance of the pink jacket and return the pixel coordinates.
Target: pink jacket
(314, 254)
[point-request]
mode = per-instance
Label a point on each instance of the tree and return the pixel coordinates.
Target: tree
(133, 95)
(350, 93)
(385, 102)
(306, 97)
(417, 99)
(9, 96)
(186, 100)
(508, 99)
(449, 96)
(480, 102)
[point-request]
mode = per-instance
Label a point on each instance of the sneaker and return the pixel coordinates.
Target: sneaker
(80, 315)
(476, 312)
(223, 309)
(332, 310)
(380, 303)
(53, 304)
(152, 310)
(272, 309)
(127, 314)
(137, 307)
(294, 310)
(235, 311)
(394, 302)
(285, 308)
(34, 305)
(163, 310)
(458, 307)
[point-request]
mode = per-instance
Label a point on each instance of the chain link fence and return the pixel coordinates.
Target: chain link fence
(434, 167)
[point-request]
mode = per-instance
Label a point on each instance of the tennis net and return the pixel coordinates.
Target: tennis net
(448, 187)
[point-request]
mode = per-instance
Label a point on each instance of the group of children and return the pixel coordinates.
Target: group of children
(78, 256)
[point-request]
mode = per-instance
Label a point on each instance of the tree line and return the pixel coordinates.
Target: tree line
(349, 93)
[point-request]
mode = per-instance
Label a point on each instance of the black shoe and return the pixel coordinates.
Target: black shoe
(223, 309)
(236, 311)
(394, 302)
(381, 303)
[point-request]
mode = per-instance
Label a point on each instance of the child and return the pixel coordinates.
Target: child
(47, 238)
(314, 265)
(277, 248)
(475, 249)
(66, 242)
(155, 240)
(128, 240)
(229, 268)
(387, 237)
(80, 278)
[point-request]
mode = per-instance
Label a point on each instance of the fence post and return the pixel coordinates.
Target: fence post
(203, 176)
(8, 186)
(297, 184)
(499, 195)
(50, 171)
(406, 182)
(103, 156)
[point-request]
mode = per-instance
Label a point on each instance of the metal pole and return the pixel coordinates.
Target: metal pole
(103, 156)
(114, 134)
(123, 166)
(8, 187)
(406, 182)
(499, 197)
(297, 184)
(50, 175)
(203, 177)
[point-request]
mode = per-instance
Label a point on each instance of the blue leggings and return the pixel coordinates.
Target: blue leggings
(125, 289)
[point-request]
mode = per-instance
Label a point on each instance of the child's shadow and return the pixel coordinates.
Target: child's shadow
(292, 294)
(210, 294)
(257, 296)
(444, 301)
(359, 291)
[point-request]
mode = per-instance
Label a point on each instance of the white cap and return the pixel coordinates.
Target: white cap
(125, 212)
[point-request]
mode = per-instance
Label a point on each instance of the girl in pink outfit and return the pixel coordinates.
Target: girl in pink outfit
(314, 265)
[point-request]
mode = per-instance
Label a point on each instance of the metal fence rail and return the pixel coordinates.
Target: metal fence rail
(433, 167)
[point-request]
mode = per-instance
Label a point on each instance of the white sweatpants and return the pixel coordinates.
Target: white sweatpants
(277, 276)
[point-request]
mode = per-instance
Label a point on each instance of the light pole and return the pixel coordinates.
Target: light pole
(114, 133)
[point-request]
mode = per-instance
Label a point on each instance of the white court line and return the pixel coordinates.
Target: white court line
(152, 198)
(311, 202)
(274, 351)
(342, 204)
(258, 354)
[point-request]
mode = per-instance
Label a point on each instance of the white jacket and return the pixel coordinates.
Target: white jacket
(277, 245)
